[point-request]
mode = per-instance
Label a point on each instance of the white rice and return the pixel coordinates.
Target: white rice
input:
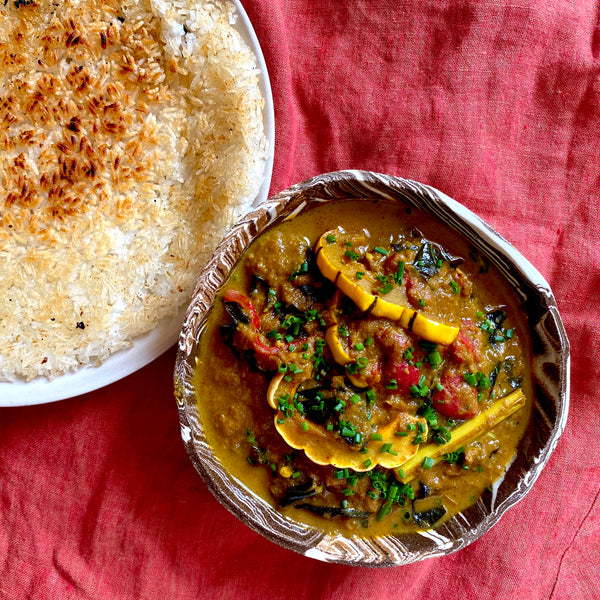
(125, 153)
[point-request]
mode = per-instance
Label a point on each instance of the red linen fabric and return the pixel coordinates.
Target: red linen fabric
(495, 103)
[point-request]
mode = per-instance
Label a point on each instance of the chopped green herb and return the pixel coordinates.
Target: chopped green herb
(351, 368)
(399, 273)
(454, 457)
(420, 390)
(380, 250)
(428, 462)
(470, 378)
(339, 407)
(330, 238)
(483, 381)
(352, 255)
(387, 449)
(434, 359)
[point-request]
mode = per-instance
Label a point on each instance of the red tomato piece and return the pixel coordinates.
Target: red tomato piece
(417, 291)
(467, 345)
(405, 374)
(457, 399)
(391, 263)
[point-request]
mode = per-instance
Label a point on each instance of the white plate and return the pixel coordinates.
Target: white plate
(151, 345)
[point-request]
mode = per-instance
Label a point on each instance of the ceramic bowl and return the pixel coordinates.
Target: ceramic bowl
(550, 373)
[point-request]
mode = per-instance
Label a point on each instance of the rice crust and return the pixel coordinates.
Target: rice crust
(131, 137)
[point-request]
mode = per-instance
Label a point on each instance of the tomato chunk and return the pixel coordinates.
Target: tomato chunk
(467, 345)
(457, 399)
(417, 291)
(405, 374)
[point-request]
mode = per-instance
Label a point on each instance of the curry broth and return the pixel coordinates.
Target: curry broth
(232, 395)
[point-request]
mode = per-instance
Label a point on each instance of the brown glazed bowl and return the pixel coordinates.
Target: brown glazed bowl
(550, 373)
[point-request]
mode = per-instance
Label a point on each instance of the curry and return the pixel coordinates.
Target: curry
(365, 370)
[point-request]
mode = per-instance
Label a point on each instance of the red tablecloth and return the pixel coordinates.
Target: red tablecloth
(495, 103)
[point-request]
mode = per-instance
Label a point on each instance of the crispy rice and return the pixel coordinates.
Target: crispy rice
(130, 138)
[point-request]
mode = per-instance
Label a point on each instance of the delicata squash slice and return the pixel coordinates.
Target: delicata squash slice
(339, 353)
(389, 443)
(344, 261)
(384, 448)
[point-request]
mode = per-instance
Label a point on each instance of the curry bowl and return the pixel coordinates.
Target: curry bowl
(546, 381)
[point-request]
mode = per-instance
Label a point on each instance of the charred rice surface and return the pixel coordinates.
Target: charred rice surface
(131, 137)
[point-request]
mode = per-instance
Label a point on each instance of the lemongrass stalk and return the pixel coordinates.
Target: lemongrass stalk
(462, 435)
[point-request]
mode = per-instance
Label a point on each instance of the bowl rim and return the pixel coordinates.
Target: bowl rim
(387, 550)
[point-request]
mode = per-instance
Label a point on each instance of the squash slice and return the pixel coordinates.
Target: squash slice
(329, 448)
(428, 329)
(462, 435)
(332, 337)
(278, 387)
(340, 265)
(336, 263)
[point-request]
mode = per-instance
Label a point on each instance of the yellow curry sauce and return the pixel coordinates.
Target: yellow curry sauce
(354, 365)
